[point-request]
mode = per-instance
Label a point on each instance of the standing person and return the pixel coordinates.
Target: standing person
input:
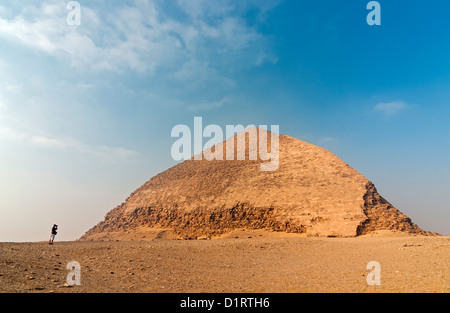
(53, 234)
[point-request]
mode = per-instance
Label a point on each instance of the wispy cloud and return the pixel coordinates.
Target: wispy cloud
(66, 143)
(188, 50)
(27, 118)
(141, 35)
(390, 108)
(210, 105)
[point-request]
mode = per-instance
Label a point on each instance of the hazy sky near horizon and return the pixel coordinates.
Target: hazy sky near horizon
(86, 111)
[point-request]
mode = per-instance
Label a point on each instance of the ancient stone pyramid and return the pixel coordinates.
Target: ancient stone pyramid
(312, 192)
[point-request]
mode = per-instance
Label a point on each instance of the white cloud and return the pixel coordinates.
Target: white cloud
(25, 116)
(66, 143)
(2, 107)
(207, 106)
(194, 73)
(140, 35)
(390, 108)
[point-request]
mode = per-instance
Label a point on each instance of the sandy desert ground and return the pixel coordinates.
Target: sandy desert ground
(241, 262)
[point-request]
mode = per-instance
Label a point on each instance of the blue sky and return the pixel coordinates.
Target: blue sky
(86, 111)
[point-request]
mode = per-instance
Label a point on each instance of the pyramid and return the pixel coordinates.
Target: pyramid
(311, 192)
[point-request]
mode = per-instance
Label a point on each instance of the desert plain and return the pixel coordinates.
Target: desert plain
(242, 261)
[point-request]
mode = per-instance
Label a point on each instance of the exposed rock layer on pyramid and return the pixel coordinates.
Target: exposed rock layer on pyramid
(312, 192)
